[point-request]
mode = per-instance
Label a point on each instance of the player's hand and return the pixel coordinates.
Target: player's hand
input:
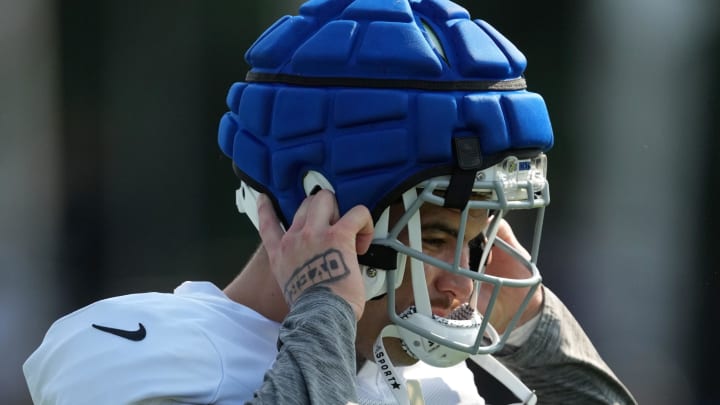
(320, 247)
(502, 264)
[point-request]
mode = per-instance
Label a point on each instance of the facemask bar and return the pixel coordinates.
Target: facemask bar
(510, 189)
(513, 184)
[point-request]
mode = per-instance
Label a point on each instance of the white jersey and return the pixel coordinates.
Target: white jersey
(199, 348)
(452, 385)
(195, 346)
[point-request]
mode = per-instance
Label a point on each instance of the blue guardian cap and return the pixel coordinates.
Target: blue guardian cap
(409, 102)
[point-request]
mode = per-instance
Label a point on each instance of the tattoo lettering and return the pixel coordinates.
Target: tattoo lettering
(323, 268)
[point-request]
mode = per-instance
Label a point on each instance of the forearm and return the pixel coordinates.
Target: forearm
(316, 359)
(560, 364)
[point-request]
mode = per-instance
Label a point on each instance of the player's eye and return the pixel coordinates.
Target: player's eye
(434, 242)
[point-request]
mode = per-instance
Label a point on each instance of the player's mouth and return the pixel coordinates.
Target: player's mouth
(462, 316)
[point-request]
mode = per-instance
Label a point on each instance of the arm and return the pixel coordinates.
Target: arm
(316, 359)
(315, 266)
(559, 362)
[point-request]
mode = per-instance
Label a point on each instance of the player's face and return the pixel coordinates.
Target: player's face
(446, 290)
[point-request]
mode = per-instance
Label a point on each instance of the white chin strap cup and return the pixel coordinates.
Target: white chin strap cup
(409, 392)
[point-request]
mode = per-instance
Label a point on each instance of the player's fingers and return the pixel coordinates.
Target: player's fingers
(270, 229)
(506, 233)
(359, 222)
(323, 211)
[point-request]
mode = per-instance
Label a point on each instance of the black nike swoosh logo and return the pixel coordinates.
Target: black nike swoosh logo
(134, 335)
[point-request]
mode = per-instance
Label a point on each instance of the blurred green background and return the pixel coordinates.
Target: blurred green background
(111, 181)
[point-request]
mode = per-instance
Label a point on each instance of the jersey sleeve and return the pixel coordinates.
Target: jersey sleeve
(121, 351)
(316, 359)
(559, 362)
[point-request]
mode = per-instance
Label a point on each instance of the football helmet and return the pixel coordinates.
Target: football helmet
(397, 103)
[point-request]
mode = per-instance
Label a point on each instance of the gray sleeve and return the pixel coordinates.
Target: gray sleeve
(316, 359)
(561, 365)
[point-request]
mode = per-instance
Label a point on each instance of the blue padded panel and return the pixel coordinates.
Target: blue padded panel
(289, 165)
(287, 201)
(255, 107)
(226, 133)
(368, 141)
(298, 112)
(483, 58)
(384, 10)
(359, 190)
(441, 9)
(360, 107)
(518, 61)
(323, 9)
(233, 97)
(375, 150)
(253, 157)
(275, 48)
(484, 115)
(387, 136)
(326, 51)
(397, 48)
(266, 33)
(528, 121)
(436, 117)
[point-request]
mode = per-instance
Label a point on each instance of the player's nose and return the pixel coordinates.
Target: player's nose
(446, 282)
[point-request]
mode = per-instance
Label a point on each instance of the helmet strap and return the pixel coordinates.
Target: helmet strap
(503, 375)
(417, 267)
(406, 392)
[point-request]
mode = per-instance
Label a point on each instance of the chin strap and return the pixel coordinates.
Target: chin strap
(497, 370)
(406, 392)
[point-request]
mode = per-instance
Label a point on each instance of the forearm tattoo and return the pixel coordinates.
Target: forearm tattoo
(323, 268)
